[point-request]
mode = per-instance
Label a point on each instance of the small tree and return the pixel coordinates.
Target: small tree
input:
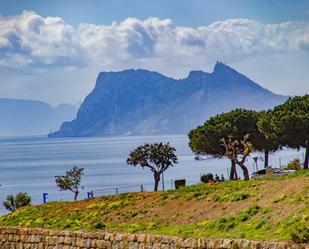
(13, 203)
(294, 164)
(158, 157)
(70, 181)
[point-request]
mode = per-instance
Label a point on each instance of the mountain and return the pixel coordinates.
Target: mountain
(28, 117)
(144, 102)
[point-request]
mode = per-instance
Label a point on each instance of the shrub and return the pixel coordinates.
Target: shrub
(236, 196)
(300, 233)
(226, 223)
(99, 225)
(100, 205)
(207, 178)
(13, 203)
(253, 210)
(117, 204)
(294, 164)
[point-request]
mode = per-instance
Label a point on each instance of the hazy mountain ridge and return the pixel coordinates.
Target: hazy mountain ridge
(32, 117)
(144, 102)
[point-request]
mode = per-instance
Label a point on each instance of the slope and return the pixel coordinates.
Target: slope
(268, 209)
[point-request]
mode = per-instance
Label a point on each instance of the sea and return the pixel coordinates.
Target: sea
(30, 164)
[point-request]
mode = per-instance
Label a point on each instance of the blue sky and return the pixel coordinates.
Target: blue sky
(53, 50)
(182, 12)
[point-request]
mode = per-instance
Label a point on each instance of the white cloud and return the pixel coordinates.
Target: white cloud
(31, 40)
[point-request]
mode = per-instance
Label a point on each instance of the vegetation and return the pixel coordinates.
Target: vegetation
(13, 203)
(270, 142)
(71, 181)
(237, 150)
(294, 164)
(236, 133)
(289, 123)
(300, 232)
(268, 209)
(273, 208)
(156, 157)
(229, 127)
(207, 178)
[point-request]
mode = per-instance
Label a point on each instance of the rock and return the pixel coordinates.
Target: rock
(144, 102)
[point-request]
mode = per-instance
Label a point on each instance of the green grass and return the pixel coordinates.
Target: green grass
(225, 191)
(264, 209)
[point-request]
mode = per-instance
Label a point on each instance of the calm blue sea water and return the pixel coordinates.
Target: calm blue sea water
(29, 164)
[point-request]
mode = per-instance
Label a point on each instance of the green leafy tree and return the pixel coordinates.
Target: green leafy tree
(13, 203)
(158, 157)
(290, 123)
(269, 143)
(71, 181)
(205, 139)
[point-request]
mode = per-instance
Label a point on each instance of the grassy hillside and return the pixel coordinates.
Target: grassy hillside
(266, 209)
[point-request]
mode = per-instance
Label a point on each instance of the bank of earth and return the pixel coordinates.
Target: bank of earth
(265, 209)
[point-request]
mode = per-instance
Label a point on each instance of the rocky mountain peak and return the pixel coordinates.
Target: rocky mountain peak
(145, 102)
(222, 69)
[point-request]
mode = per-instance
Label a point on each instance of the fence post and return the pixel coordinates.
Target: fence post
(90, 194)
(45, 197)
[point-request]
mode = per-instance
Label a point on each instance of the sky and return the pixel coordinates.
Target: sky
(53, 50)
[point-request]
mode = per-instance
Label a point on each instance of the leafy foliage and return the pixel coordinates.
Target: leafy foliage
(300, 233)
(290, 123)
(285, 125)
(158, 157)
(270, 141)
(294, 164)
(205, 139)
(207, 178)
(71, 181)
(13, 203)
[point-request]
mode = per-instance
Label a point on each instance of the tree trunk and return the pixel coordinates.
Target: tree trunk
(245, 171)
(157, 180)
(233, 174)
(75, 195)
(266, 156)
(306, 161)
